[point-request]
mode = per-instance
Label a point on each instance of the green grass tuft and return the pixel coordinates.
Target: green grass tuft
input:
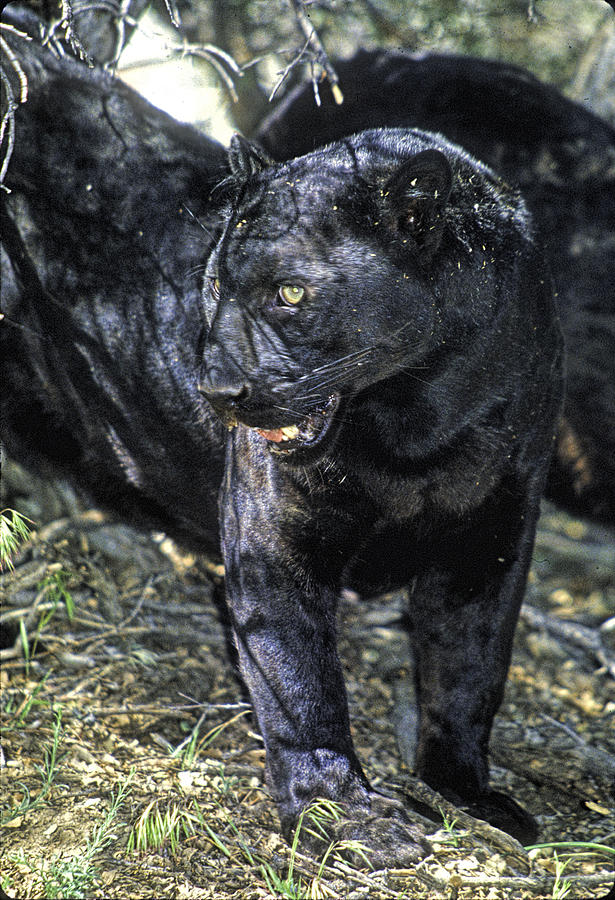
(14, 531)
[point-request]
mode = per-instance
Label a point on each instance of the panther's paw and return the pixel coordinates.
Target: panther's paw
(379, 834)
(504, 813)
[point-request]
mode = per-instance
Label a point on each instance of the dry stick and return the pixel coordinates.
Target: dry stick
(79, 688)
(27, 612)
(140, 601)
(14, 652)
(28, 575)
(315, 43)
(8, 119)
(563, 759)
(379, 889)
(418, 790)
(152, 709)
(173, 13)
(185, 609)
(56, 529)
(588, 639)
(540, 887)
(27, 616)
(587, 553)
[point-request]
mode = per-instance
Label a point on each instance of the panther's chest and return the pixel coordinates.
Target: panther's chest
(448, 482)
(386, 560)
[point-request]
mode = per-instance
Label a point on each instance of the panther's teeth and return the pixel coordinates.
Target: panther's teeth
(290, 432)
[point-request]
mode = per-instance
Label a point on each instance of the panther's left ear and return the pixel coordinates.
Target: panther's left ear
(245, 158)
(416, 194)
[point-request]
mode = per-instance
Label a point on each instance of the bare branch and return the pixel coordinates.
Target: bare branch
(67, 22)
(318, 50)
(7, 125)
(173, 13)
(286, 72)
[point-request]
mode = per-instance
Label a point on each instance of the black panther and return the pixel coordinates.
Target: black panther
(562, 158)
(383, 345)
(373, 325)
(104, 231)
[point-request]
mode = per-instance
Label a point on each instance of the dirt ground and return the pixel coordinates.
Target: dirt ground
(131, 766)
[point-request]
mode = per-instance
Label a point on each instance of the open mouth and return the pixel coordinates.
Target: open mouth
(305, 434)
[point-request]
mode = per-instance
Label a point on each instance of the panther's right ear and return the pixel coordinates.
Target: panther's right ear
(245, 158)
(416, 195)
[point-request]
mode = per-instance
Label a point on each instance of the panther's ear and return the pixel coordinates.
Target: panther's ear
(245, 158)
(417, 194)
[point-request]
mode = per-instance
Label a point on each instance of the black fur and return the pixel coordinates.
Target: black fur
(104, 238)
(561, 156)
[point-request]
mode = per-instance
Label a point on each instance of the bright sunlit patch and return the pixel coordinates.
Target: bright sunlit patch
(187, 88)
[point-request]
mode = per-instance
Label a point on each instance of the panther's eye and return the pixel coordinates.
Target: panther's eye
(214, 286)
(291, 293)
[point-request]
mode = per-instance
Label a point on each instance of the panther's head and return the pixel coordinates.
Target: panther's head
(319, 286)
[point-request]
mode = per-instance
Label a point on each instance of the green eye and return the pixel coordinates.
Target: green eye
(214, 284)
(291, 293)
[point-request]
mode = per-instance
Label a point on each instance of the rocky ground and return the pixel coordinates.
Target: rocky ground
(131, 766)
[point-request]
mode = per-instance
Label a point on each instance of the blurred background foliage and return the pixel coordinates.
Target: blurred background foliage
(233, 53)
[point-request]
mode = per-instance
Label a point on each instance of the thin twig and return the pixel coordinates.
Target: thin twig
(26, 612)
(140, 601)
(7, 125)
(173, 13)
(286, 72)
(151, 709)
(67, 24)
(312, 38)
(28, 575)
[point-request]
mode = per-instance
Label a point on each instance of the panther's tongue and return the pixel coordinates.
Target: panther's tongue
(307, 432)
(277, 435)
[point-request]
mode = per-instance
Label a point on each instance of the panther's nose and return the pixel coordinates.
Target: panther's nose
(225, 391)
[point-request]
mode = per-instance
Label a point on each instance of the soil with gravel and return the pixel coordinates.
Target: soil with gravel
(133, 673)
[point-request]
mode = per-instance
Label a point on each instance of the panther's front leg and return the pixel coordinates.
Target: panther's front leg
(282, 598)
(463, 610)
